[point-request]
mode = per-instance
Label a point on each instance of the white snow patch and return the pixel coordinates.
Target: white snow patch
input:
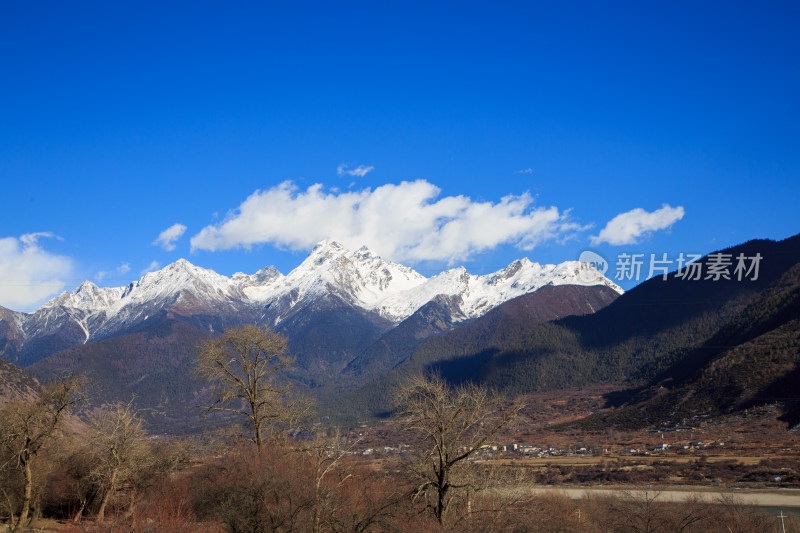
(359, 277)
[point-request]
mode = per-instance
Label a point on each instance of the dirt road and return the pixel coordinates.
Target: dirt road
(756, 497)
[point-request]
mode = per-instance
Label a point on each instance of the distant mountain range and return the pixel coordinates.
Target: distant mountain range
(342, 310)
(679, 348)
(331, 277)
(752, 360)
(676, 349)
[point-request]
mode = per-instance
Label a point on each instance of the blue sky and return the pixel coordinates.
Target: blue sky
(439, 135)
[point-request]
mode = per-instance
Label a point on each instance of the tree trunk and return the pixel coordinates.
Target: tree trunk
(132, 505)
(442, 488)
(10, 511)
(36, 515)
(317, 505)
(440, 507)
(26, 499)
(257, 429)
(111, 485)
(79, 513)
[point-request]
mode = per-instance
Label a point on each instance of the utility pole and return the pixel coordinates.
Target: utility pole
(782, 516)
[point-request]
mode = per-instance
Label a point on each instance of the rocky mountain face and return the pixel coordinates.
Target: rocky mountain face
(490, 332)
(16, 384)
(332, 280)
(752, 360)
(681, 347)
(337, 306)
(426, 342)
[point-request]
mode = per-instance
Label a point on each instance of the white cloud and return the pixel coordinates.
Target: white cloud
(404, 222)
(154, 265)
(360, 171)
(627, 228)
(524, 171)
(124, 268)
(166, 239)
(29, 274)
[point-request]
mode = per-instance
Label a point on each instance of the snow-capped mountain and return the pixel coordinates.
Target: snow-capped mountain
(159, 288)
(102, 312)
(359, 278)
(330, 278)
(395, 291)
(349, 315)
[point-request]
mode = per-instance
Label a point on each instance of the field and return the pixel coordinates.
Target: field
(542, 473)
(787, 499)
(750, 451)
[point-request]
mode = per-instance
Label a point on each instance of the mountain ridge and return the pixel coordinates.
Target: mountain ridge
(753, 360)
(662, 333)
(387, 291)
(337, 306)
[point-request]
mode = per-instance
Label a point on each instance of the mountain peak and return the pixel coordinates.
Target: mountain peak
(86, 296)
(365, 253)
(328, 245)
(262, 277)
(180, 264)
(86, 286)
(180, 269)
(361, 278)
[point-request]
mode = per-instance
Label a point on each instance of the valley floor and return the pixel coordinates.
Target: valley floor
(786, 499)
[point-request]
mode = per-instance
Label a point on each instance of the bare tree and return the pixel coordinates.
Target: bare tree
(117, 437)
(241, 365)
(28, 428)
(251, 491)
(452, 425)
(78, 468)
(328, 455)
(638, 510)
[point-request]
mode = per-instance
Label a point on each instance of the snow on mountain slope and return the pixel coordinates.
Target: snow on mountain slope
(263, 277)
(161, 286)
(101, 311)
(395, 291)
(359, 278)
(479, 294)
(87, 297)
(167, 284)
(13, 319)
(522, 277)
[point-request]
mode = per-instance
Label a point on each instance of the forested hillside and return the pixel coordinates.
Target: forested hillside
(645, 332)
(656, 329)
(753, 360)
(15, 383)
(454, 349)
